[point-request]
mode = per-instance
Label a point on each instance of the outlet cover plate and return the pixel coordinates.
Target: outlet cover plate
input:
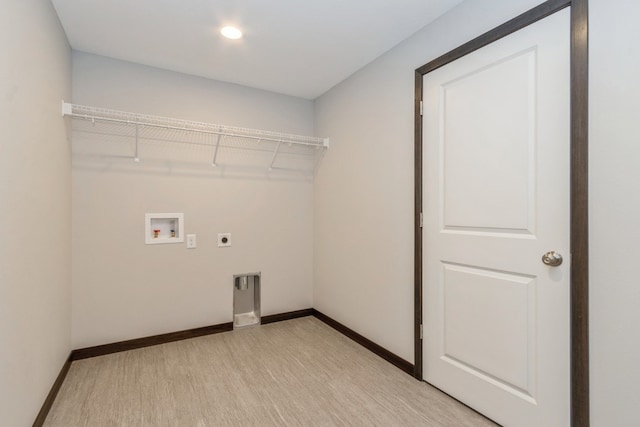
(224, 240)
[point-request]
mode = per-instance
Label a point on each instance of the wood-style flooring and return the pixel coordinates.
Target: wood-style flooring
(293, 373)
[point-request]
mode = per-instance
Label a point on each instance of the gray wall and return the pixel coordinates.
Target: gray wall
(125, 289)
(35, 207)
(363, 231)
(614, 210)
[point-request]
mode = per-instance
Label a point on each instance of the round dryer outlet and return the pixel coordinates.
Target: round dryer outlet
(224, 240)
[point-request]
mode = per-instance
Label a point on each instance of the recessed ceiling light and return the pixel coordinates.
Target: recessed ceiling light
(231, 32)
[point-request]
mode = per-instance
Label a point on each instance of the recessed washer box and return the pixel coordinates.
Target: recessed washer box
(162, 228)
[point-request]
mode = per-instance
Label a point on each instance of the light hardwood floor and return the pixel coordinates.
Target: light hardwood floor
(294, 373)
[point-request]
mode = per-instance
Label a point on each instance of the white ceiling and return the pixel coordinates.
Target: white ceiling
(296, 47)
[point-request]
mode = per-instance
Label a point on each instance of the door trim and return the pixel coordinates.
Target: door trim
(579, 223)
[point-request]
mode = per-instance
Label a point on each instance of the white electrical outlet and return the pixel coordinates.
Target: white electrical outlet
(224, 240)
(191, 241)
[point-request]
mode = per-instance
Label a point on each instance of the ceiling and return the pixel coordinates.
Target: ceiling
(295, 47)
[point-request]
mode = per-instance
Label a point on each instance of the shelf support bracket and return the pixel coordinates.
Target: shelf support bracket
(136, 158)
(215, 153)
(275, 153)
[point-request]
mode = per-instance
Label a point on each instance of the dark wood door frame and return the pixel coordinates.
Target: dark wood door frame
(579, 227)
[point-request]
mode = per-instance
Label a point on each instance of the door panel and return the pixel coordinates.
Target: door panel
(496, 192)
(491, 348)
(474, 196)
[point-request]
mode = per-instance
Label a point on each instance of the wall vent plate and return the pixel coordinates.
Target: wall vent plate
(224, 240)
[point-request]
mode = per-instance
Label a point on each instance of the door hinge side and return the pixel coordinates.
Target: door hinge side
(421, 220)
(421, 336)
(421, 106)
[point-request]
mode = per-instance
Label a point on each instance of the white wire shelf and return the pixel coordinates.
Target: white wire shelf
(221, 135)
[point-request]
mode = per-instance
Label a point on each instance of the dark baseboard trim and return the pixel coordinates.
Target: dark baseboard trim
(366, 343)
(286, 316)
(51, 397)
(101, 350)
(116, 347)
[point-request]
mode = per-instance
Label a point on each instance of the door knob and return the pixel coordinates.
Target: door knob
(552, 259)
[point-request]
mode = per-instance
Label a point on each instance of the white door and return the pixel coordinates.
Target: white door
(496, 198)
